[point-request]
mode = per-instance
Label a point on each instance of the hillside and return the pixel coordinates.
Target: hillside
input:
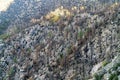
(20, 12)
(77, 43)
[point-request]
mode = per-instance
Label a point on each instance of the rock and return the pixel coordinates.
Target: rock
(96, 68)
(42, 77)
(70, 75)
(118, 69)
(106, 76)
(17, 76)
(51, 51)
(119, 77)
(110, 69)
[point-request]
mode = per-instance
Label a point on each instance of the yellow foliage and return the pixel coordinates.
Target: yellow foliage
(74, 8)
(57, 13)
(82, 7)
(55, 18)
(114, 5)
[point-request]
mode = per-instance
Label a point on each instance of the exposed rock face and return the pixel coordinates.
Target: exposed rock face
(110, 71)
(64, 50)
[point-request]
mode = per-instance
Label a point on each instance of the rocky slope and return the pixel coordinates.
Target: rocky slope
(67, 48)
(110, 71)
(20, 12)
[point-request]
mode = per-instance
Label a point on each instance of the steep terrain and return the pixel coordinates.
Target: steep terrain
(110, 71)
(64, 47)
(20, 12)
